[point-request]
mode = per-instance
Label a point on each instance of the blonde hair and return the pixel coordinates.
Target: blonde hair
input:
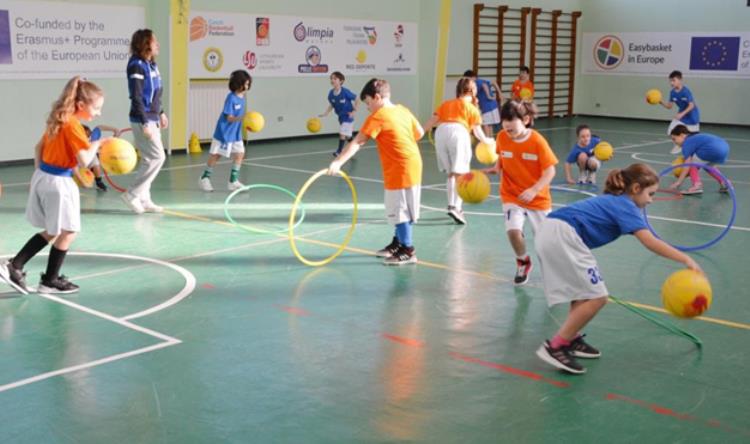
(621, 181)
(463, 87)
(76, 90)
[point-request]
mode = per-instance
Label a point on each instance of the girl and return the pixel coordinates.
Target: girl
(582, 154)
(455, 118)
(54, 202)
(569, 269)
(146, 119)
(702, 148)
(227, 139)
(528, 166)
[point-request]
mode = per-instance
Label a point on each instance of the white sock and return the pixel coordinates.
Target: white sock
(450, 185)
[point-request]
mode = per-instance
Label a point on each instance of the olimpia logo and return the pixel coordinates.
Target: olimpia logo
(301, 32)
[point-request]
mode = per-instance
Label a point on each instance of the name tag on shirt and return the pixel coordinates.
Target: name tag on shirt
(529, 156)
(237, 106)
(507, 154)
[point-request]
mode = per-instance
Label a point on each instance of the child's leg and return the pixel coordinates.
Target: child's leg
(518, 243)
(581, 313)
(714, 175)
(342, 142)
(450, 189)
(212, 159)
(236, 165)
(695, 176)
(487, 130)
(57, 254)
(97, 171)
(404, 234)
(30, 249)
(581, 161)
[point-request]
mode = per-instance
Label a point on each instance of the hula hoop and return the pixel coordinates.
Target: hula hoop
(258, 230)
(429, 138)
(670, 327)
(349, 233)
(106, 175)
(730, 188)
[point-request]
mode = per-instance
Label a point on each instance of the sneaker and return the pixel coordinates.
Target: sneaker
(150, 207)
(389, 249)
(59, 285)
(133, 203)
(100, 185)
(560, 358)
(582, 178)
(675, 150)
(205, 184)
(523, 268)
(695, 189)
(457, 215)
(404, 255)
(236, 185)
(580, 349)
(592, 178)
(14, 277)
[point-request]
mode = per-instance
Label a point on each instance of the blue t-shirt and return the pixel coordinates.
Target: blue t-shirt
(577, 149)
(227, 131)
(343, 104)
(708, 147)
(486, 104)
(682, 99)
(600, 220)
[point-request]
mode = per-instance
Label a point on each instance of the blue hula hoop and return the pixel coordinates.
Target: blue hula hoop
(730, 188)
(258, 230)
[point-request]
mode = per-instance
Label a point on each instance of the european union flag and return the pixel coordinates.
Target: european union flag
(714, 53)
(6, 56)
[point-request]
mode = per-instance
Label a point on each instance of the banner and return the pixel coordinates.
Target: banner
(289, 46)
(45, 40)
(705, 54)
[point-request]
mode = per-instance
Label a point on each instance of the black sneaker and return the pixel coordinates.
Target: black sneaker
(404, 255)
(580, 349)
(100, 185)
(389, 249)
(15, 277)
(523, 268)
(59, 285)
(560, 358)
(457, 215)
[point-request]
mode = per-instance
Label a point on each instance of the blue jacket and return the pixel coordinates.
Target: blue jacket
(145, 88)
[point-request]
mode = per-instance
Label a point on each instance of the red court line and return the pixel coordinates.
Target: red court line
(510, 370)
(294, 310)
(208, 286)
(404, 341)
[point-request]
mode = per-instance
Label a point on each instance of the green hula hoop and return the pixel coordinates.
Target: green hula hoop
(259, 230)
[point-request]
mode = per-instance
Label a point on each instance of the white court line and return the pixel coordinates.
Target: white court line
(658, 134)
(639, 145)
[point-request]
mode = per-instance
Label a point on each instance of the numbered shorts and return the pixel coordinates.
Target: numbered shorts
(692, 128)
(226, 149)
(346, 129)
(54, 203)
(491, 117)
(569, 269)
(402, 205)
(515, 217)
(453, 148)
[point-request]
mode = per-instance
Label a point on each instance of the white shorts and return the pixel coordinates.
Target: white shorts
(569, 269)
(692, 128)
(226, 149)
(402, 205)
(515, 216)
(453, 147)
(346, 129)
(54, 203)
(491, 117)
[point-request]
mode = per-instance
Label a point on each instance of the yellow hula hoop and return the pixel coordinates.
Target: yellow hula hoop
(293, 214)
(429, 138)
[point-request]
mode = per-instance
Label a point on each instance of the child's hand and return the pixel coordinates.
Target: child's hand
(675, 185)
(691, 264)
(528, 195)
(334, 168)
(490, 170)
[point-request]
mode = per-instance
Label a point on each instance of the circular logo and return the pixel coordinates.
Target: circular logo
(299, 32)
(609, 52)
(249, 60)
(212, 59)
(312, 55)
(361, 56)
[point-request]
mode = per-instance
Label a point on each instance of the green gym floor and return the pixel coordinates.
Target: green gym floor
(188, 329)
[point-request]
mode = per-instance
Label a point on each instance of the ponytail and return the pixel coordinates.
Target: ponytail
(76, 90)
(463, 88)
(621, 181)
(517, 109)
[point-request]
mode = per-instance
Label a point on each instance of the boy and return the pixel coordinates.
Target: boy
(688, 113)
(523, 88)
(699, 148)
(344, 103)
(488, 95)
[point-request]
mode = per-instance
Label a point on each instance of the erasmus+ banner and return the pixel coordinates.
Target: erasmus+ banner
(289, 46)
(59, 40)
(705, 54)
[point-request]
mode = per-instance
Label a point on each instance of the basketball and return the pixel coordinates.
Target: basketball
(604, 151)
(117, 156)
(486, 153)
(678, 161)
(198, 28)
(653, 96)
(254, 121)
(83, 177)
(686, 293)
(313, 125)
(525, 94)
(473, 187)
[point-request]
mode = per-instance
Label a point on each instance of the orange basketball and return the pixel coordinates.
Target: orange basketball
(198, 28)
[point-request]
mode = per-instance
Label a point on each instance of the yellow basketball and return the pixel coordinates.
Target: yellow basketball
(653, 96)
(678, 161)
(254, 121)
(84, 177)
(525, 94)
(486, 153)
(686, 293)
(313, 125)
(473, 187)
(604, 151)
(117, 156)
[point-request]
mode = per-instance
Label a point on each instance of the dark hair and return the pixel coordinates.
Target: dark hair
(679, 130)
(140, 43)
(582, 127)
(463, 87)
(469, 73)
(517, 109)
(375, 86)
(238, 79)
(675, 75)
(525, 69)
(621, 181)
(339, 75)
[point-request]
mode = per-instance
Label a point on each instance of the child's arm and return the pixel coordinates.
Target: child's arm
(349, 151)
(683, 174)
(85, 156)
(495, 169)
(111, 129)
(568, 174)
(328, 111)
(529, 194)
(499, 96)
(667, 105)
(488, 91)
(663, 249)
(430, 124)
(38, 153)
(682, 114)
(479, 134)
(231, 118)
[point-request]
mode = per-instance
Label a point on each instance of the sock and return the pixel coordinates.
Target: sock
(450, 186)
(235, 173)
(342, 142)
(523, 258)
(32, 247)
(558, 342)
(207, 173)
(403, 233)
(715, 176)
(695, 177)
(56, 258)
(99, 180)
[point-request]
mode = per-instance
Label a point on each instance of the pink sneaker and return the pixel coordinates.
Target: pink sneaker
(695, 189)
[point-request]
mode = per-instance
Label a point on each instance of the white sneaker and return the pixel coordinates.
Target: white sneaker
(132, 202)
(582, 178)
(675, 150)
(236, 185)
(205, 184)
(592, 177)
(150, 207)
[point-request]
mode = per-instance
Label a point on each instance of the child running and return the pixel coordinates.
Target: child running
(582, 154)
(344, 103)
(699, 148)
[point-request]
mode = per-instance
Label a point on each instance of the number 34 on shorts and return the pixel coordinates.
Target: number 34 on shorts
(594, 275)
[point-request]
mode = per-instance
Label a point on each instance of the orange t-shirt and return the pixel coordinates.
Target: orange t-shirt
(396, 130)
(61, 150)
(459, 111)
(518, 86)
(522, 165)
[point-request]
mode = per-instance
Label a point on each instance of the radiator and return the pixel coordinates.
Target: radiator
(205, 102)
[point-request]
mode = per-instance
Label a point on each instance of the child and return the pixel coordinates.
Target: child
(227, 140)
(455, 118)
(699, 148)
(688, 113)
(344, 103)
(488, 95)
(54, 201)
(528, 165)
(95, 167)
(521, 84)
(569, 269)
(396, 131)
(582, 154)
